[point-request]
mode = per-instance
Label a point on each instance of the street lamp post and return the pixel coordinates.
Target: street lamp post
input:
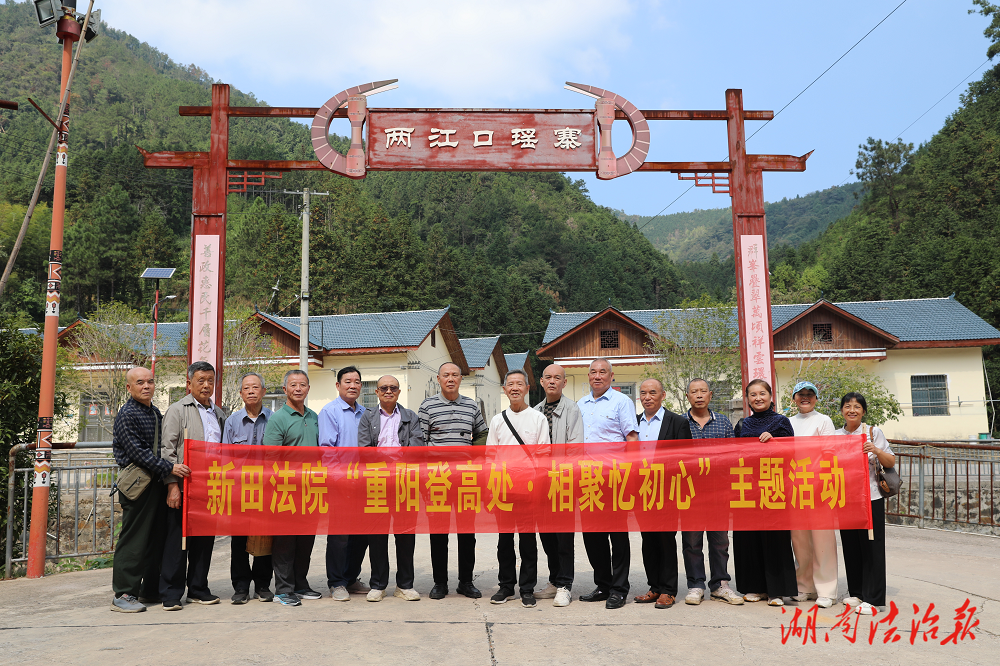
(156, 274)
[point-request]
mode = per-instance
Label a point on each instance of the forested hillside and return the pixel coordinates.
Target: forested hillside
(501, 249)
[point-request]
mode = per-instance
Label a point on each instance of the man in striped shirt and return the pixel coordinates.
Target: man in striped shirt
(450, 419)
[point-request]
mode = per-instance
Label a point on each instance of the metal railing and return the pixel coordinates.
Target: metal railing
(949, 485)
(83, 515)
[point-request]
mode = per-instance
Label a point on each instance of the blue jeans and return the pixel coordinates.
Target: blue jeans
(694, 559)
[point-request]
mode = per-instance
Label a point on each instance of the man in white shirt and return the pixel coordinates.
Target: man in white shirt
(517, 425)
(815, 550)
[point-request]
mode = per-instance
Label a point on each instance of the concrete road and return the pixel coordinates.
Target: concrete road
(65, 618)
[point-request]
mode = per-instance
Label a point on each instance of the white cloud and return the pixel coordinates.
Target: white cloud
(448, 51)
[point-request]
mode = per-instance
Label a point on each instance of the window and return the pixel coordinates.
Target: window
(929, 395)
(823, 332)
(722, 395)
(274, 401)
(625, 389)
(433, 339)
(369, 399)
(609, 339)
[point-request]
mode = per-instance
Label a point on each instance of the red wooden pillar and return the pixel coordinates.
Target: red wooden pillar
(208, 244)
(753, 289)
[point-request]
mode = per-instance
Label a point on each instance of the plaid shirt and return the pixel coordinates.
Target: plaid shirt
(134, 433)
(718, 427)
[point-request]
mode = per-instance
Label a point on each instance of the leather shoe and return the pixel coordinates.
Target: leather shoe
(438, 591)
(615, 601)
(665, 601)
(597, 595)
(469, 590)
(647, 598)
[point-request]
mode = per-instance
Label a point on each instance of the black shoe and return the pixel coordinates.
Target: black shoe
(240, 598)
(172, 604)
(439, 591)
(469, 590)
(264, 594)
(502, 595)
(308, 593)
(206, 600)
(151, 600)
(528, 599)
(597, 595)
(615, 600)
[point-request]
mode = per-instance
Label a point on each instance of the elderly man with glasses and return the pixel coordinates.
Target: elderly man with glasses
(391, 426)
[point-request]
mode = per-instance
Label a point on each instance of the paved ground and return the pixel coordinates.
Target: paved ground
(65, 619)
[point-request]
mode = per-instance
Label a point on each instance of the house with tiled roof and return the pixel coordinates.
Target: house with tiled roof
(518, 361)
(487, 367)
(928, 353)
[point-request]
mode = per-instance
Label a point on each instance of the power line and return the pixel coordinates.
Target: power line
(899, 135)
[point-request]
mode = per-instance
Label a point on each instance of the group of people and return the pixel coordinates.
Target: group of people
(151, 566)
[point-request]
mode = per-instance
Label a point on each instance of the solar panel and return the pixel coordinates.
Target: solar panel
(161, 273)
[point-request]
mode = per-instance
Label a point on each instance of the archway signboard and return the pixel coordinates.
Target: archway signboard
(564, 140)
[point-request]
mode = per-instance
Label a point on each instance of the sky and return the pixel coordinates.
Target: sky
(658, 54)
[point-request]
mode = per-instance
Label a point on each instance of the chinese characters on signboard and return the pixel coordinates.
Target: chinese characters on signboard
(204, 297)
(756, 320)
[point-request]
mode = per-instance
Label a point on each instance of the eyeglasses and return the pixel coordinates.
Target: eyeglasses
(387, 389)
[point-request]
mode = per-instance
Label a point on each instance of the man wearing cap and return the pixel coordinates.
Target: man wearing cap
(815, 550)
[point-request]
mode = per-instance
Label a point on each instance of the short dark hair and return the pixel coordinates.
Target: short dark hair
(699, 379)
(199, 366)
(854, 395)
(515, 371)
(758, 381)
(441, 367)
(346, 371)
(294, 372)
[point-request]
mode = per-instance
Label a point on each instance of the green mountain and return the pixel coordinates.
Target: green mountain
(697, 235)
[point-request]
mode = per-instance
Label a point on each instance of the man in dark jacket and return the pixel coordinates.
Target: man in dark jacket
(659, 549)
(391, 426)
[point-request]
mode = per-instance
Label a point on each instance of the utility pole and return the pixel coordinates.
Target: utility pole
(304, 303)
(69, 31)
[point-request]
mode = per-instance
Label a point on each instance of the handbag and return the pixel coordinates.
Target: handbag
(259, 545)
(133, 480)
(886, 478)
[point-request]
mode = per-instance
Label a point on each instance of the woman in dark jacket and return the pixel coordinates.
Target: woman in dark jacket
(765, 568)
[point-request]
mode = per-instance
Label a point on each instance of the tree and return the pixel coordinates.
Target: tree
(699, 340)
(879, 166)
(245, 349)
(992, 31)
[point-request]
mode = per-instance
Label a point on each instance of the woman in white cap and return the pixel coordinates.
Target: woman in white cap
(815, 550)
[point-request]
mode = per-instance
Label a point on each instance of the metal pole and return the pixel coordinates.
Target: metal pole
(304, 307)
(156, 317)
(69, 31)
(11, 483)
(920, 485)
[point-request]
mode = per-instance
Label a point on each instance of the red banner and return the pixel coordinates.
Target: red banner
(717, 484)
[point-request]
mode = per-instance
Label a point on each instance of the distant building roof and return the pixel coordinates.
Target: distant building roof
(365, 330)
(172, 336)
(516, 360)
(478, 350)
(913, 320)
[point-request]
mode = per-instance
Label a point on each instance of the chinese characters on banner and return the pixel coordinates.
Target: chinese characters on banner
(483, 140)
(755, 317)
(204, 296)
(786, 483)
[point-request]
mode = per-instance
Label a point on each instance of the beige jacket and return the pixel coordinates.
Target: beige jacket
(182, 421)
(567, 421)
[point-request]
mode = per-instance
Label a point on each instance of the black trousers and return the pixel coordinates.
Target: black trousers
(764, 563)
(139, 551)
(466, 557)
(184, 567)
(659, 558)
(559, 549)
(344, 557)
(864, 559)
(242, 573)
(609, 555)
(528, 548)
(378, 555)
(290, 557)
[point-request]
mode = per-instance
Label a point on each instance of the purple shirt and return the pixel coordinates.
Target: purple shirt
(388, 432)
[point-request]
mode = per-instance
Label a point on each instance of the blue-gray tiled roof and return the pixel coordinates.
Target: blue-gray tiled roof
(366, 330)
(914, 320)
(516, 361)
(478, 350)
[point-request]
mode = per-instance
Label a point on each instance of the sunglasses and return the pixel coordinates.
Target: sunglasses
(387, 389)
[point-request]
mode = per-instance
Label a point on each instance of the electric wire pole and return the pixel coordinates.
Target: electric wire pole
(304, 303)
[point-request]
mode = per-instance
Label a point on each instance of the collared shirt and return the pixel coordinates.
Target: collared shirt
(241, 429)
(209, 421)
(287, 427)
(718, 427)
(649, 428)
(338, 423)
(388, 433)
(876, 437)
(530, 424)
(610, 418)
(450, 422)
(812, 424)
(135, 429)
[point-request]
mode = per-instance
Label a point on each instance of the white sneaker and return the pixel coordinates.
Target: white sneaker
(376, 595)
(357, 587)
(865, 609)
(824, 602)
(548, 593)
(694, 596)
(563, 598)
(853, 602)
(775, 601)
(726, 593)
(805, 596)
(340, 593)
(407, 595)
